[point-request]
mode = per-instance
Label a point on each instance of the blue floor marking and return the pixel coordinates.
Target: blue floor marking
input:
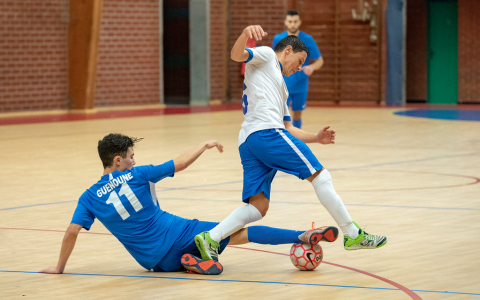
(246, 281)
(443, 114)
(315, 203)
(33, 205)
(337, 169)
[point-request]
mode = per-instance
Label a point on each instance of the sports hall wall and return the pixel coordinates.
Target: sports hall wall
(468, 51)
(34, 51)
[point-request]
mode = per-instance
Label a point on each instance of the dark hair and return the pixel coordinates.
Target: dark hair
(292, 13)
(114, 144)
(291, 40)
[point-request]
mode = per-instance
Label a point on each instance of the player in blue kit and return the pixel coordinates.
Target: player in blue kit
(268, 142)
(297, 83)
(124, 200)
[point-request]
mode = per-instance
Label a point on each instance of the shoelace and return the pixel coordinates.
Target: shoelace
(313, 225)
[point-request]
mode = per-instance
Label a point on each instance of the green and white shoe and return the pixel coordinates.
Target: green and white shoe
(364, 240)
(208, 248)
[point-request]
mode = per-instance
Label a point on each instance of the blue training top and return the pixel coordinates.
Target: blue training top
(125, 202)
(298, 81)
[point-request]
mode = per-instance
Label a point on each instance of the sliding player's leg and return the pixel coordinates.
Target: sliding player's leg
(254, 234)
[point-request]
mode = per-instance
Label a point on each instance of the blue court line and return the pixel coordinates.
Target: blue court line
(248, 281)
(275, 202)
(338, 169)
(33, 205)
(315, 203)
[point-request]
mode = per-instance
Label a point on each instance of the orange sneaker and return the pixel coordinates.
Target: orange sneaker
(315, 235)
(201, 266)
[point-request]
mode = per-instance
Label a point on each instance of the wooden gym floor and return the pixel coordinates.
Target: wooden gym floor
(415, 180)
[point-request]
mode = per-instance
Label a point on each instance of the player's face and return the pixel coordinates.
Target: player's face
(292, 23)
(128, 162)
(293, 61)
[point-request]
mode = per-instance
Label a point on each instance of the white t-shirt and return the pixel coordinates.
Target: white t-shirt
(264, 93)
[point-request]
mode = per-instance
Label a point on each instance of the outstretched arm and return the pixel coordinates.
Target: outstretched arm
(67, 247)
(238, 53)
(325, 136)
(187, 158)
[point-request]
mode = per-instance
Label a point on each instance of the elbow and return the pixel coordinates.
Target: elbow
(180, 166)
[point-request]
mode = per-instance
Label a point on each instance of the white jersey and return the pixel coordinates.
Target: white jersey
(264, 93)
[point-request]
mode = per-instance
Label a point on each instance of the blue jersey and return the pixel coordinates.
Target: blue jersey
(125, 203)
(298, 81)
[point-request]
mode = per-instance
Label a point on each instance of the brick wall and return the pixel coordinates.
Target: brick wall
(128, 70)
(33, 53)
(417, 50)
(267, 13)
(468, 51)
(218, 50)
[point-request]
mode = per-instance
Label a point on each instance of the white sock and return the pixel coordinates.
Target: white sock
(333, 203)
(235, 221)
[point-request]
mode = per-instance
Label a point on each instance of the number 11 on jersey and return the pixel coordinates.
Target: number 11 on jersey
(115, 200)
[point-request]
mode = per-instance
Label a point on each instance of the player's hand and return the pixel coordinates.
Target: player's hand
(255, 32)
(326, 136)
(51, 270)
(308, 70)
(214, 143)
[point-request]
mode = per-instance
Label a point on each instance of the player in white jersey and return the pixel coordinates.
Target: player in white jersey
(268, 142)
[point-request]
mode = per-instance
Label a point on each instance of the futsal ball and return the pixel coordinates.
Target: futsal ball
(306, 257)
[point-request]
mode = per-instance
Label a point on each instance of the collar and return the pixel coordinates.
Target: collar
(281, 67)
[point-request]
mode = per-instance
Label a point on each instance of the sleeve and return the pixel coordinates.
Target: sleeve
(259, 55)
(275, 41)
(156, 173)
(286, 113)
(313, 51)
(82, 216)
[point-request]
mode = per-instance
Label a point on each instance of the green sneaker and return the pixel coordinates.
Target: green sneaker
(208, 248)
(364, 240)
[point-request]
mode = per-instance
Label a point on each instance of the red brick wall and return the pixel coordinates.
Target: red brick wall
(128, 70)
(417, 50)
(468, 51)
(218, 50)
(267, 13)
(356, 75)
(33, 55)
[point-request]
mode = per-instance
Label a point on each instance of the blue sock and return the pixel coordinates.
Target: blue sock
(297, 123)
(273, 236)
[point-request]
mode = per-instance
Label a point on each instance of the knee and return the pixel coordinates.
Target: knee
(261, 203)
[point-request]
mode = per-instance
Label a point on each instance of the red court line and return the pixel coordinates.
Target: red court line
(397, 285)
(69, 117)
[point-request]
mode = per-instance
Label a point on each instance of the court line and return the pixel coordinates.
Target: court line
(275, 202)
(399, 286)
(316, 203)
(412, 293)
(41, 204)
(216, 280)
(351, 168)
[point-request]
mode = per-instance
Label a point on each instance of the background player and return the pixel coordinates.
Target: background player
(123, 201)
(297, 83)
(268, 142)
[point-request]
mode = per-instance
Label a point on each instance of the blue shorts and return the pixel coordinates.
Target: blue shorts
(185, 243)
(298, 100)
(266, 151)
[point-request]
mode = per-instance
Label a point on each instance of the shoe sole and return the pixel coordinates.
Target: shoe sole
(330, 234)
(201, 266)
(201, 248)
